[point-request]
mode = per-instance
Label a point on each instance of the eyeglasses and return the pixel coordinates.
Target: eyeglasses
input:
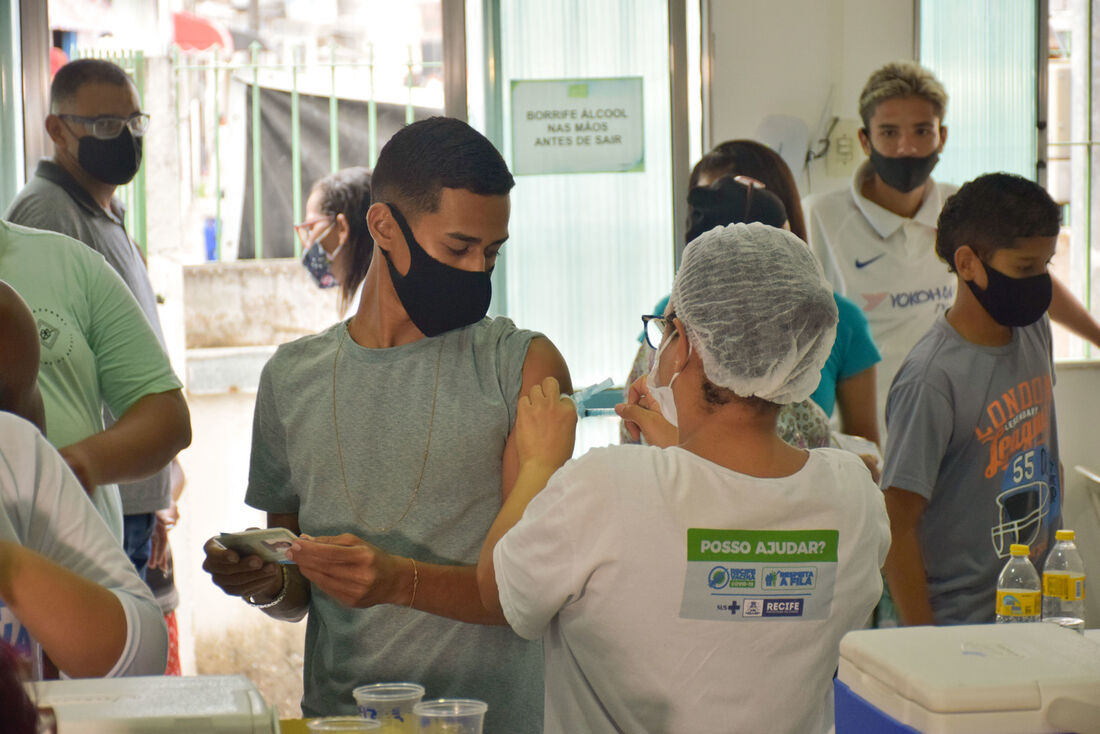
(303, 229)
(655, 328)
(106, 127)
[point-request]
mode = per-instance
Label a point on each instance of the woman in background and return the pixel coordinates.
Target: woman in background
(848, 378)
(336, 245)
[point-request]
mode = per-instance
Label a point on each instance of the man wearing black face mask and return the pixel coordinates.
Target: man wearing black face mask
(97, 128)
(875, 240)
(971, 463)
(387, 441)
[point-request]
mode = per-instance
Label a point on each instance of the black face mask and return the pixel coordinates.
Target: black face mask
(437, 297)
(1013, 301)
(114, 161)
(903, 174)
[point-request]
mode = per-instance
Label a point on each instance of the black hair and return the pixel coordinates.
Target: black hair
(75, 74)
(420, 160)
(991, 212)
(715, 397)
(750, 158)
(348, 192)
(728, 201)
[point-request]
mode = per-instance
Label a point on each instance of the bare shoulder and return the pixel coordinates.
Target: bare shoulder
(544, 360)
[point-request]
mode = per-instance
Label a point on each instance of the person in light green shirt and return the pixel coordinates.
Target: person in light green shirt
(97, 349)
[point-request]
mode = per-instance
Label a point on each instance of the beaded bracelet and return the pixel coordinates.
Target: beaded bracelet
(282, 593)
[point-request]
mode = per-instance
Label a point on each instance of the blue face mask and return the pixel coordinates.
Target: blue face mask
(319, 263)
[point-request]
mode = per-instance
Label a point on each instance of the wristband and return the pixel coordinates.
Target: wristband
(282, 593)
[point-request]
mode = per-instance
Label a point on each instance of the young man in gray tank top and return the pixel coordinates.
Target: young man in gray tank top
(386, 442)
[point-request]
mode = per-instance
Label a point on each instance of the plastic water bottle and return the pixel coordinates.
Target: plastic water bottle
(1064, 584)
(1019, 593)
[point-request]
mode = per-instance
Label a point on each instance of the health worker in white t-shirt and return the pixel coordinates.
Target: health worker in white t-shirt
(876, 239)
(703, 586)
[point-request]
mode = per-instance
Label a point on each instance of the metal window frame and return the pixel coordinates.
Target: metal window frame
(681, 141)
(455, 103)
(34, 36)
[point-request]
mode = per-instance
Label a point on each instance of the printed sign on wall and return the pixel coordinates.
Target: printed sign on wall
(577, 126)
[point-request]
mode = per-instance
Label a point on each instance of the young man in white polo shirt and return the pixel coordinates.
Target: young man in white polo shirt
(876, 239)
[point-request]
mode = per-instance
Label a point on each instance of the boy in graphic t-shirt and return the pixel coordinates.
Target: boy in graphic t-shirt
(971, 462)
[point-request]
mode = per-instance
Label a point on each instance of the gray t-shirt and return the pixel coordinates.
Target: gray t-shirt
(54, 201)
(381, 400)
(972, 429)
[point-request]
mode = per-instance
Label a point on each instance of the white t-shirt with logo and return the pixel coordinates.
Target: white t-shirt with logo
(673, 594)
(44, 508)
(886, 263)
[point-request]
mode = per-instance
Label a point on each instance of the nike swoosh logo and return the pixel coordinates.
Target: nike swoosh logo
(864, 263)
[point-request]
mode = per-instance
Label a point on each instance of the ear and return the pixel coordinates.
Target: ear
(343, 229)
(969, 266)
(383, 227)
(865, 141)
(943, 137)
(55, 129)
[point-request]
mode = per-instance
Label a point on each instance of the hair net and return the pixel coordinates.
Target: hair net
(758, 310)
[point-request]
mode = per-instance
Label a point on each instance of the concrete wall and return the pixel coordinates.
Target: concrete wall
(253, 303)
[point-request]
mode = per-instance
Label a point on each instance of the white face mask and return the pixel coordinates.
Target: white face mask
(663, 393)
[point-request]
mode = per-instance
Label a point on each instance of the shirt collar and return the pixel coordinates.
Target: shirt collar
(56, 174)
(884, 221)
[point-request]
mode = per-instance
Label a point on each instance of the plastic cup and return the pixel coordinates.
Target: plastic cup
(390, 704)
(450, 716)
(343, 724)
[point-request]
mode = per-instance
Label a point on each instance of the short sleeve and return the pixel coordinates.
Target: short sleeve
(535, 561)
(511, 353)
(919, 422)
(860, 351)
(269, 478)
(130, 362)
(65, 528)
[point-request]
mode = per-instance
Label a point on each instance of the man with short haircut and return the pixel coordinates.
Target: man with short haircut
(97, 128)
(875, 239)
(971, 463)
(387, 441)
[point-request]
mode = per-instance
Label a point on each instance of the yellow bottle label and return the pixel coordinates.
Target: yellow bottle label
(1014, 603)
(1064, 586)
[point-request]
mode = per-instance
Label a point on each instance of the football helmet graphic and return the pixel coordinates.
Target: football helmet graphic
(1021, 512)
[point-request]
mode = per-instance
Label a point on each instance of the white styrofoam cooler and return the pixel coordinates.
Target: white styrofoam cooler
(227, 704)
(1006, 678)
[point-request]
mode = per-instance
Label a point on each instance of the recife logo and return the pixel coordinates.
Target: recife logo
(721, 577)
(790, 578)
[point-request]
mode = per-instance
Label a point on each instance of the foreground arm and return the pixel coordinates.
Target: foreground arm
(141, 443)
(1066, 310)
(857, 405)
(904, 563)
(251, 578)
(64, 576)
(546, 424)
(80, 624)
(642, 417)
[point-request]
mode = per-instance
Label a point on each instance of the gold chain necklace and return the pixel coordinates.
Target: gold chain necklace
(340, 453)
